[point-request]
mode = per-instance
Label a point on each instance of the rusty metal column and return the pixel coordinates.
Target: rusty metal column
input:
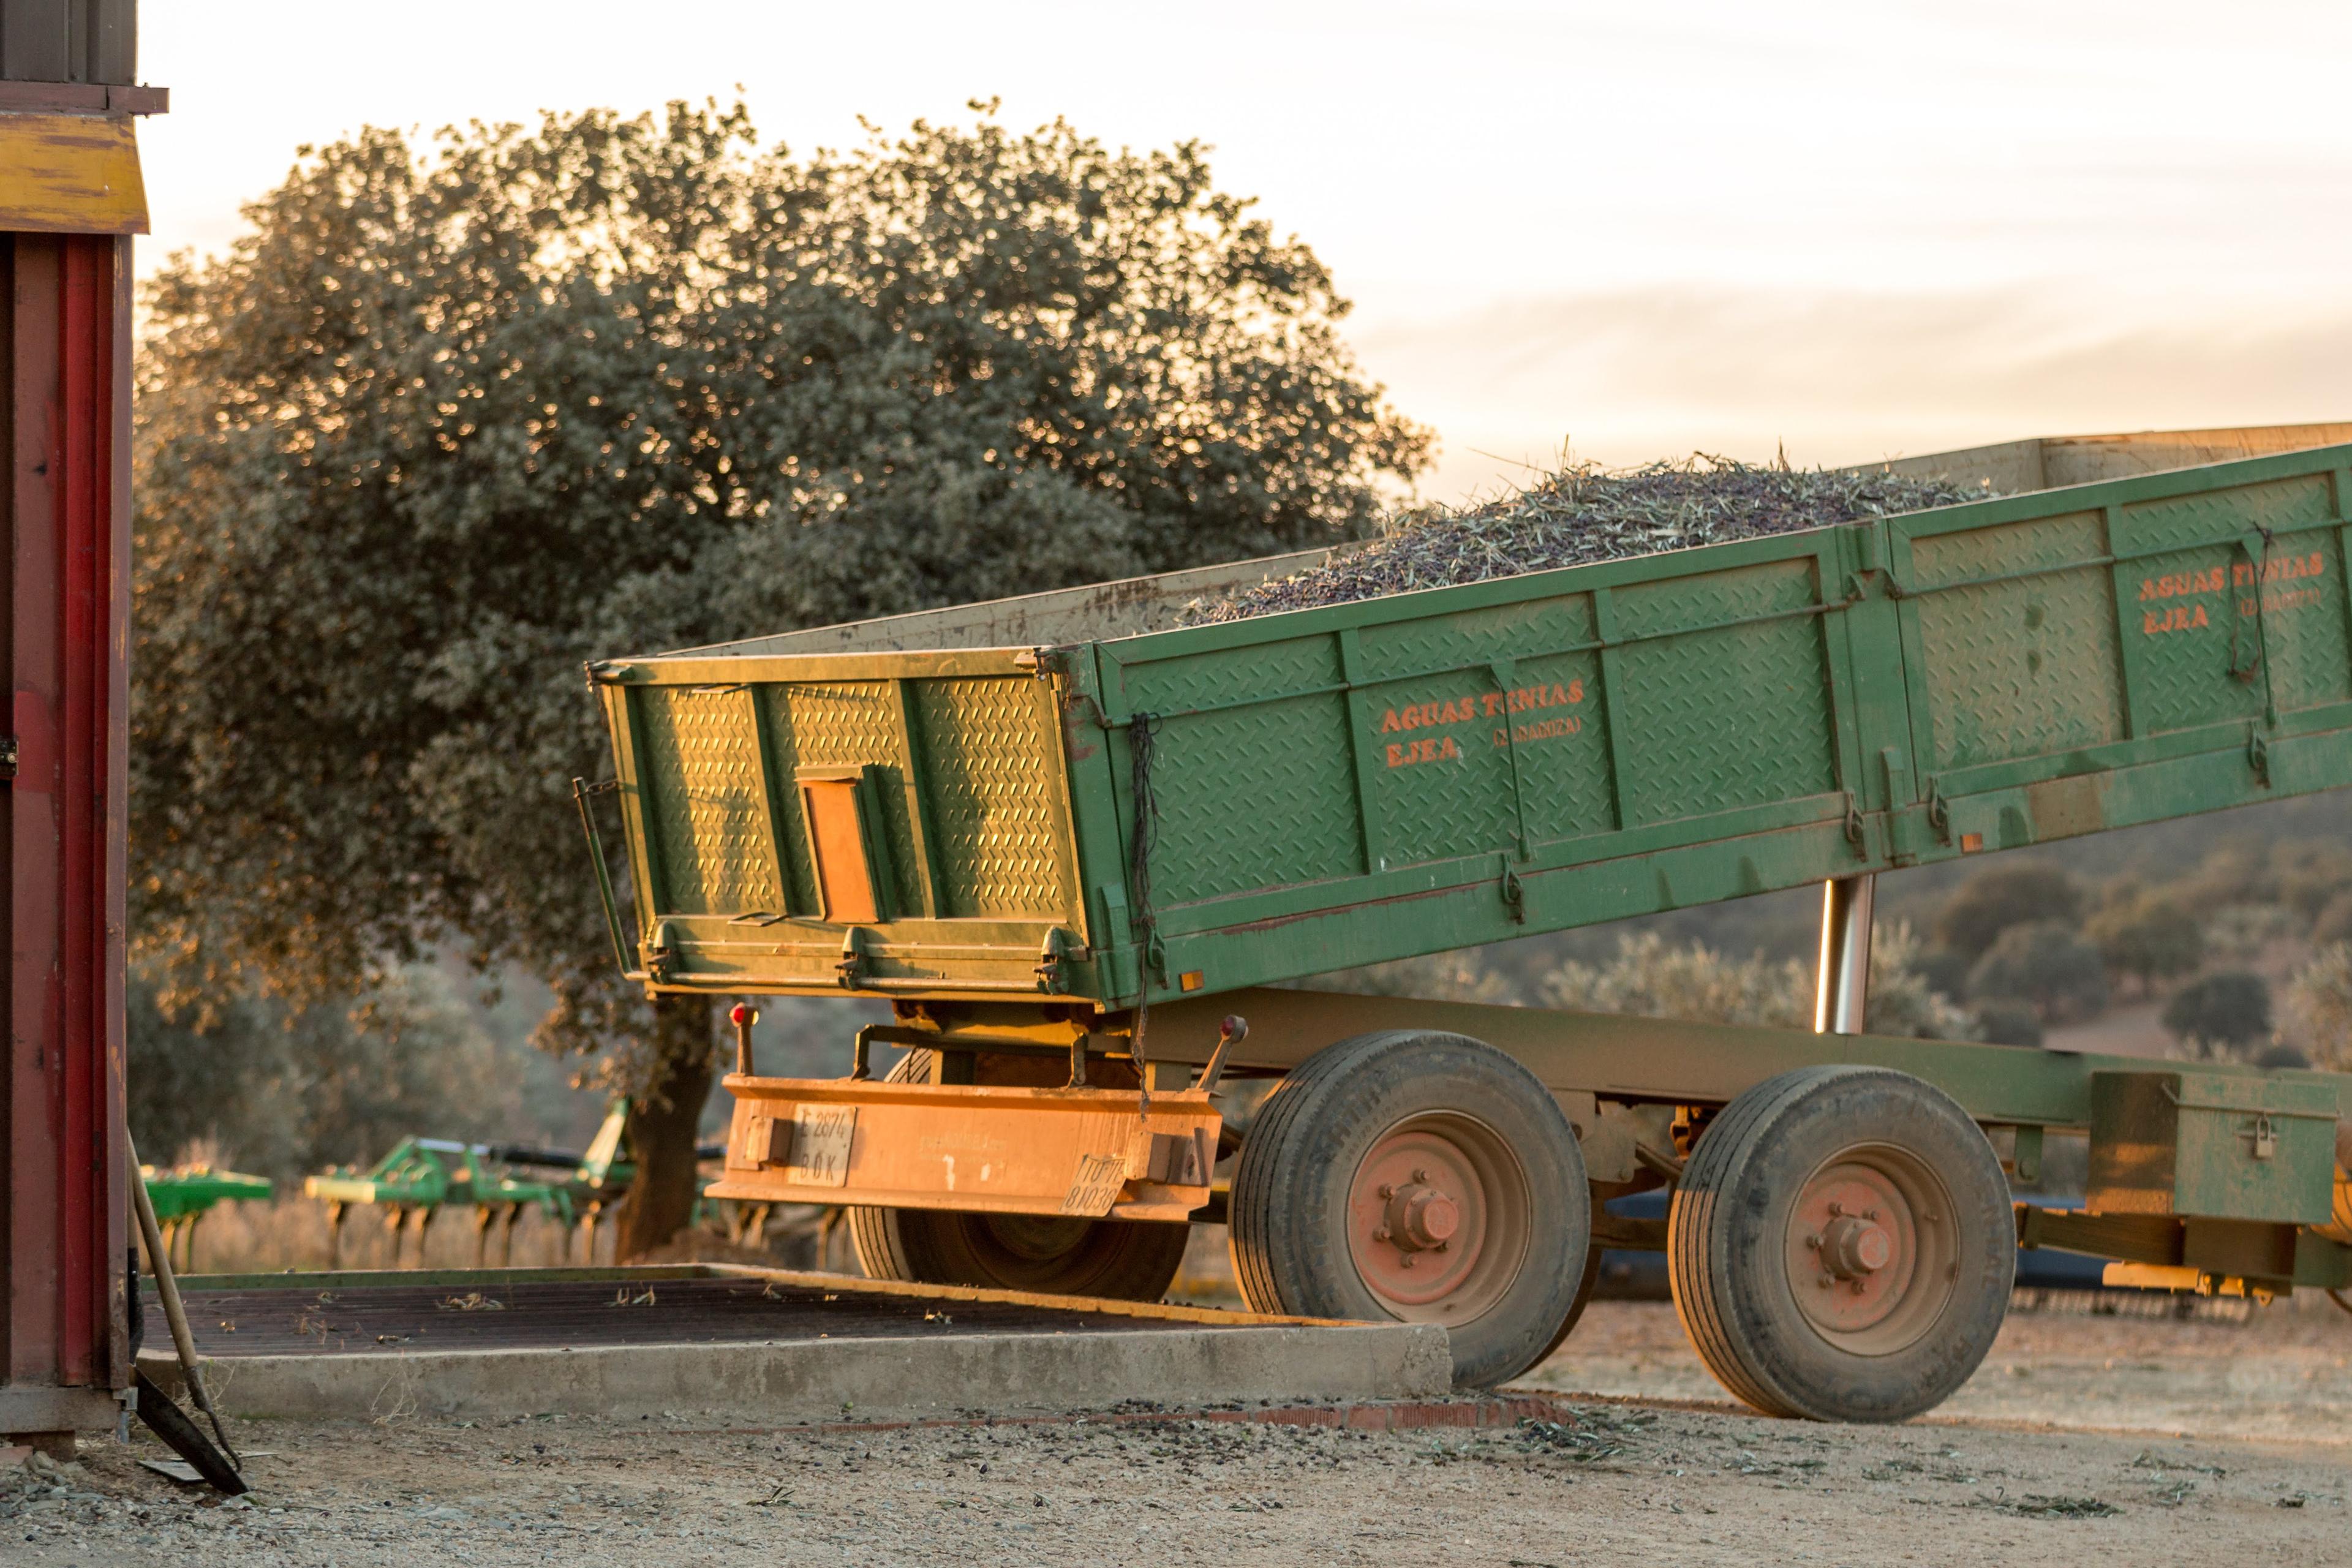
(1842, 985)
(70, 197)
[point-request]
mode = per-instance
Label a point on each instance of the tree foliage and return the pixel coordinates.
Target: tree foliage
(2000, 897)
(2003, 1021)
(447, 420)
(2146, 936)
(2232, 1009)
(2045, 965)
(1652, 978)
(2315, 1014)
(279, 1090)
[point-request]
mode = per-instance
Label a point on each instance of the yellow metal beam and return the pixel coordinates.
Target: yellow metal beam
(70, 174)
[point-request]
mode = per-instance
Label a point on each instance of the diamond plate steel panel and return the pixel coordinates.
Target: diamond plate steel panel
(2192, 603)
(1231, 675)
(841, 725)
(1657, 609)
(1564, 768)
(709, 806)
(1472, 637)
(992, 774)
(2203, 610)
(1738, 716)
(2224, 514)
(1444, 788)
(1441, 758)
(2022, 668)
(1939, 560)
(1254, 797)
(1716, 720)
(2304, 624)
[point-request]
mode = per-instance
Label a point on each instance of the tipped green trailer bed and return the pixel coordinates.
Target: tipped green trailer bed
(1426, 771)
(1051, 830)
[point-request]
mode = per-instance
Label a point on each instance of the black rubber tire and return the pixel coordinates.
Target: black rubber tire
(1289, 1209)
(1584, 1288)
(1728, 1243)
(1122, 1260)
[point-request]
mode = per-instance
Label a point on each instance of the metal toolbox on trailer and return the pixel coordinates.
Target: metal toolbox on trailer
(2205, 1143)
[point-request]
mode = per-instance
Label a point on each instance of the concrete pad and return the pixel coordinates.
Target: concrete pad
(771, 1345)
(826, 1380)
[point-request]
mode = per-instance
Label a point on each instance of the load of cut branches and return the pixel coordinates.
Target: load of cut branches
(1586, 512)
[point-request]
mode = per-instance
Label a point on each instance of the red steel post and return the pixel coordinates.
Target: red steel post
(65, 412)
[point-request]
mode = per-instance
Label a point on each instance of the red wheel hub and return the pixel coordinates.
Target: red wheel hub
(1438, 1218)
(1854, 1247)
(1421, 1219)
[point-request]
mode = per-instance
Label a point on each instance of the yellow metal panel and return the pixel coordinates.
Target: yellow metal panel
(70, 174)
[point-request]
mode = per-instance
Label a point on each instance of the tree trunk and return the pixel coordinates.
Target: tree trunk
(663, 1121)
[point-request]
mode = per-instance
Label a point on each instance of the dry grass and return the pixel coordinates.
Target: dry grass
(291, 1232)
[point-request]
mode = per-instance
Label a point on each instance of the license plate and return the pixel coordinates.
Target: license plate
(1096, 1186)
(821, 1137)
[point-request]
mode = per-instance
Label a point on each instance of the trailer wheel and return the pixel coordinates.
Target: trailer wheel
(1125, 1260)
(1423, 1177)
(1840, 1246)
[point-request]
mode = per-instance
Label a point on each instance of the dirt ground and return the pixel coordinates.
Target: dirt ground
(2154, 1441)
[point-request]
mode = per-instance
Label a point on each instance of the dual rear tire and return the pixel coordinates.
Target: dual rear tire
(1839, 1243)
(1840, 1246)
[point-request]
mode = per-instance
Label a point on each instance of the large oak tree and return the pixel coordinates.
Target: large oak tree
(448, 419)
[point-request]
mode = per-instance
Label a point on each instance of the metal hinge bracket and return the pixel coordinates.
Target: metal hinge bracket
(1515, 893)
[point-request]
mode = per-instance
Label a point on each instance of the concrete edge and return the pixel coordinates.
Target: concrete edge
(952, 1375)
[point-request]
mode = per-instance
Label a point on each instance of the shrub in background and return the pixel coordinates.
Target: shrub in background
(2147, 937)
(2316, 1013)
(278, 1090)
(2230, 1009)
(1997, 900)
(2005, 1023)
(2045, 965)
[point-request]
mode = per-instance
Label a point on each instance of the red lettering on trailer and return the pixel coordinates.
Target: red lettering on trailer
(2173, 584)
(2284, 569)
(1493, 704)
(1431, 749)
(2173, 619)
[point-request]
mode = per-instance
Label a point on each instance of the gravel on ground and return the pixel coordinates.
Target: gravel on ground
(2083, 1438)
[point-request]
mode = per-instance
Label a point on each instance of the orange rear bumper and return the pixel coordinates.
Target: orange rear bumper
(1076, 1152)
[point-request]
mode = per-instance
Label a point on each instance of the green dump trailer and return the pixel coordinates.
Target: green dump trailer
(1083, 850)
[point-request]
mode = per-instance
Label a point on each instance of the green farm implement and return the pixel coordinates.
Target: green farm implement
(422, 1176)
(1085, 850)
(184, 1196)
(572, 1191)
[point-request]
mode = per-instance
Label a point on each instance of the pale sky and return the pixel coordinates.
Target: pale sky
(1859, 228)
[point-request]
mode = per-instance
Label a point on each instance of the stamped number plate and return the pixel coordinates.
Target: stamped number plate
(1096, 1186)
(820, 1135)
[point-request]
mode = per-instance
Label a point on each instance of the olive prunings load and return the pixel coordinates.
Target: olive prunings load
(1586, 512)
